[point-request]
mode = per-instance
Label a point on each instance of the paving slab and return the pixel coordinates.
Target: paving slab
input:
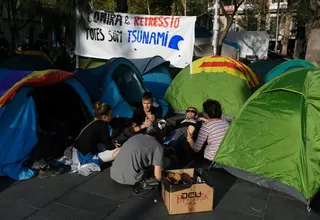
(138, 208)
(222, 183)
(89, 202)
(286, 209)
(38, 192)
(103, 185)
(221, 214)
(15, 211)
(56, 211)
(71, 196)
(244, 188)
(6, 182)
(281, 194)
(244, 204)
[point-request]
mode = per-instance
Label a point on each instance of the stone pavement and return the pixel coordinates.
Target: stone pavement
(97, 197)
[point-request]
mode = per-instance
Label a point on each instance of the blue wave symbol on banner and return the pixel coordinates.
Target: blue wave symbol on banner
(174, 42)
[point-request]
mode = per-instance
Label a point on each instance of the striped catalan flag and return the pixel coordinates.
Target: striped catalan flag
(12, 80)
(219, 64)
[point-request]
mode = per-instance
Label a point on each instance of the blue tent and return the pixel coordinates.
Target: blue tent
(262, 67)
(19, 113)
(284, 67)
(118, 83)
(155, 74)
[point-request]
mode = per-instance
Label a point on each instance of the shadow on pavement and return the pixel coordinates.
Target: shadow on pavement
(221, 181)
(6, 182)
(315, 204)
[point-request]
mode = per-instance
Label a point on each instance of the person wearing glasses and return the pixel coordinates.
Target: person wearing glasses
(212, 132)
(191, 118)
(181, 154)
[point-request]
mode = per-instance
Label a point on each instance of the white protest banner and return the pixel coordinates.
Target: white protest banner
(133, 36)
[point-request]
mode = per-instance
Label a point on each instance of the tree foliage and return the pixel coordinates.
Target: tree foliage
(307, 14)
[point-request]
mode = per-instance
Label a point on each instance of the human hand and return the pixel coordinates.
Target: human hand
(116, 144)
(190, 131)
(203, 119)
(151, 117)
(147, 123)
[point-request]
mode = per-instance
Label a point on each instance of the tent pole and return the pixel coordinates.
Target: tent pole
(216, 26)
(277, 27)
(77, 14)
(77, 62)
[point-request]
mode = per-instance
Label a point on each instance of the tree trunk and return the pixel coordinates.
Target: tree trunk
(286, 23)
(284, 49)
(313, 49)
(148, 6)
(11, 21)
(121, 6)
(14, 27)
(223, 35)
(229, 23)
(299, 49)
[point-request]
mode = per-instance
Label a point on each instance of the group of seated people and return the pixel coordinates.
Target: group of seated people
(141, 155)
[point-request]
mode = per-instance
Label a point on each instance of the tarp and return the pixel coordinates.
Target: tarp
(18, 125)
(30, 62)
(274, 139)
(215, 77)
(136, 36)
(250, 42)
(203, 45)
(284, 67)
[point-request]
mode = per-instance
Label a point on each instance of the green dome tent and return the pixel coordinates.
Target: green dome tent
(216, 77)
(275, 139)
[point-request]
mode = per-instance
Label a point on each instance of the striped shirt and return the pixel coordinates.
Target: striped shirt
(213, 132)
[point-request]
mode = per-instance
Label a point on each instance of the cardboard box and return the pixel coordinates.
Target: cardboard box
(184, 198)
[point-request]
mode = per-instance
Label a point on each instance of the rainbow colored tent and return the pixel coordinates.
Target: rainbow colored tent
(25, 98)
(224, 79)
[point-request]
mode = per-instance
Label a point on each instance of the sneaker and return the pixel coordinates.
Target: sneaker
(39, 164)
(141, 188)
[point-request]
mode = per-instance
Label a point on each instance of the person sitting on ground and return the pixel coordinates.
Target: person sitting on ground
(144, 115)
(191, 118)
(141, 157)
(94, 142)
(213, 131)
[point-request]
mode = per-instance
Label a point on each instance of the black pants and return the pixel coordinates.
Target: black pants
(148, 173)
